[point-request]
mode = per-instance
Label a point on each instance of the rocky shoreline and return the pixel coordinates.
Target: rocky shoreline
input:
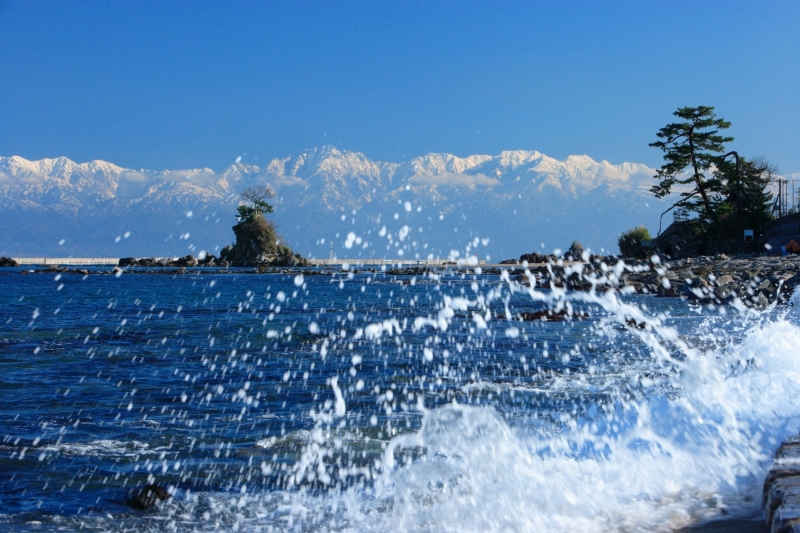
(753, 281)
(739, 280)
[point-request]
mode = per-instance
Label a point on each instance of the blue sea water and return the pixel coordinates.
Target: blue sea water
(364, 401)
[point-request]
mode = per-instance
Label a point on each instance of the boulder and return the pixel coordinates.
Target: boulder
(760, 300)
(575, 252)
(722, 292)
(724, 280)
(150, 262)
(536, 257)
(185, 261)
(257, 245)
(8, 262)
(671, 292)
(147, 497)
(637, 286)
(209, 260)
(550, 315)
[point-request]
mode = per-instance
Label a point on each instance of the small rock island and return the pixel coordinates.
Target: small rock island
(257, 244)
(257, 241)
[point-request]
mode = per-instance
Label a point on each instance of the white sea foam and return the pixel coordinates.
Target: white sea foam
(667, 454)
(657, 462)
(102, 447)
(654, 463)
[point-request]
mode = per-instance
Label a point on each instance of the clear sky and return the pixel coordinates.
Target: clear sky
(196, 84)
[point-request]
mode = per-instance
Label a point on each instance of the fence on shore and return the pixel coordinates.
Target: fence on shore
(780, 231)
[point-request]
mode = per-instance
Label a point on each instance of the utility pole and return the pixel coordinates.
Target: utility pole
(735, 154)
(778, 206)
(783, 197)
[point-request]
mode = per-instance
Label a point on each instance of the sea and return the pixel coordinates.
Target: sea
(357, 399)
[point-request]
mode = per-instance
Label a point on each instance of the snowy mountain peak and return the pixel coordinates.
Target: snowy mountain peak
(580, 160)
(516, 158)
(517, 199)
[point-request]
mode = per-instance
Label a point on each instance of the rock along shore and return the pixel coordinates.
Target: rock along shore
(757, 280)
(740, 280)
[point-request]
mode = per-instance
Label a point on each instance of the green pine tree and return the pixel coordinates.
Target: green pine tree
(745, 200)
(692, 145)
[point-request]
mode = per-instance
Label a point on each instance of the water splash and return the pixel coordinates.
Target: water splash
(685, 440)
(432, 406)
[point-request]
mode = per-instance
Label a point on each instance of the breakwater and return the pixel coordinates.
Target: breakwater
(739, 280)
(754, 280)
(49, 261)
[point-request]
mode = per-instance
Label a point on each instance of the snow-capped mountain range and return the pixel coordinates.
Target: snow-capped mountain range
(500, 206)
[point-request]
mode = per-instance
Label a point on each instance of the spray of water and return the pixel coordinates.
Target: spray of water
(681, 435)
(613, 413)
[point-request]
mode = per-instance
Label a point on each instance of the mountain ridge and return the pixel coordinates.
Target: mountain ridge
(516, 199)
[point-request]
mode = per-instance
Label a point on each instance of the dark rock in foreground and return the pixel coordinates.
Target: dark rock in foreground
(147, 497)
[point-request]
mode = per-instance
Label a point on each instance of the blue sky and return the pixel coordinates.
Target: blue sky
(197, 84)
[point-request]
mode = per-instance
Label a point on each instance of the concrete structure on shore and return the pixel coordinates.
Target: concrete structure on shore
(359, 262)
(395, 262)
(55, 261)
(781, 499)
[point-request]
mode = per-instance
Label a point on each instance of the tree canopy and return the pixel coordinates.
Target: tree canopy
(630, 243)
(745, 199)
(257, 196)
(693, 144)
(728, 194)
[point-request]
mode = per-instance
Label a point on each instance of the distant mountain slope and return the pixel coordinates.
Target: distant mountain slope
(501, 205)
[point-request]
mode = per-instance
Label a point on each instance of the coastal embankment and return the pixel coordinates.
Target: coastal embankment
(754, 280)
(77, 261)
(781, 500)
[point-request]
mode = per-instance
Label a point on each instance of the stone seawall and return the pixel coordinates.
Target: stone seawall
(781, 499)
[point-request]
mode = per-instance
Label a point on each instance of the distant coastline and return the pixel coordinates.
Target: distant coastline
(750, 281)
